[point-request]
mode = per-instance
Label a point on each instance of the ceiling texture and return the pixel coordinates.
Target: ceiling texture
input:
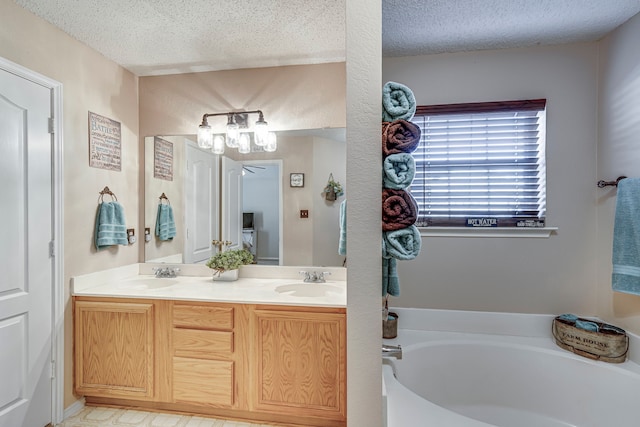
(153, 37)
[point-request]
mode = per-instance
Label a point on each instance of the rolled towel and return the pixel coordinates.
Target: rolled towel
(110, 226)
(398, 102)
(399, 209)
(390, 280)
(399, 170)
(403, 244)
(587, 325)
(399, 136)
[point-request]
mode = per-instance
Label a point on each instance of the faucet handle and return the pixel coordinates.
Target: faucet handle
(307, 275)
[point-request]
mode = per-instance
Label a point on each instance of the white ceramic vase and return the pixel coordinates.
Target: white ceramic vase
(226, 276)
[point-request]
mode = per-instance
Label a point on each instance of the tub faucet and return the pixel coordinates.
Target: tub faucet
(389, 350)
(164, 272)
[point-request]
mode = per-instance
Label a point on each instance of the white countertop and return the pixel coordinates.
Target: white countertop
(126, 282)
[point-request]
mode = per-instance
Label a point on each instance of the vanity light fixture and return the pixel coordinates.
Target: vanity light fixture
(235, 136)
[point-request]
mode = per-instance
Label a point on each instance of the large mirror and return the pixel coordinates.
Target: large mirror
(268, 206)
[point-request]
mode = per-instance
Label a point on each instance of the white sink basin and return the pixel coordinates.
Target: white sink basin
(309, 289)
(140, 284)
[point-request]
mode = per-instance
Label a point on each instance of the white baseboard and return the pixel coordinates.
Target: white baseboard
(74, 408)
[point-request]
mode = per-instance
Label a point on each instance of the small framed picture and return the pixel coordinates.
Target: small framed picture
(296, 180)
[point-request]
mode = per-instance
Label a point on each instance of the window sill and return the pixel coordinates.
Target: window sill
(544, 232)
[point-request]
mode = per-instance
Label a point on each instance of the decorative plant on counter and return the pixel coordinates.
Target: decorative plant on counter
(229, 260)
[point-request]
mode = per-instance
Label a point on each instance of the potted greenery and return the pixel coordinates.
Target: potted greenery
(226, 263)
(333, 190)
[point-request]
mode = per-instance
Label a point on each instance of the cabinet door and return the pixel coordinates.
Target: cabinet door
(114, 350)
(299, 363)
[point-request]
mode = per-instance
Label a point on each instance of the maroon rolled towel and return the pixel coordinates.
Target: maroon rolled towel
(399, 209)
(399, 136)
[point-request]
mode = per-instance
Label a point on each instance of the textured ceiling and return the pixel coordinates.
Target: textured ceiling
(418, 27)
(152, 37)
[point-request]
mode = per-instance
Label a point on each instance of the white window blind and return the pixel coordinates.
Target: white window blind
(481, 161)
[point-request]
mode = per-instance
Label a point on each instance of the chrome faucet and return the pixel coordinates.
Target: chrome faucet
(314, 276)
(165, 272)
(392, 351)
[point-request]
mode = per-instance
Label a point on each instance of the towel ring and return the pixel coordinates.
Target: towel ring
(106, 191)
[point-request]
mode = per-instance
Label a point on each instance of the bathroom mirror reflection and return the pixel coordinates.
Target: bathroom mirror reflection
(264, 211)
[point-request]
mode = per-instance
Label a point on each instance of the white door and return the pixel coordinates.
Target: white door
(231, 203)
(201, 198)
(26, 287)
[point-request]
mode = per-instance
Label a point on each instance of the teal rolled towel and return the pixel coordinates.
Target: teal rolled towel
(399, 170)
(586, 325)
(398, 102)
(165, 224)
(390, 280)
(403, 244)
(110, 228)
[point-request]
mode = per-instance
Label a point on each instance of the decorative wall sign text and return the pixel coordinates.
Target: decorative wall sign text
(162, 159)
(105, 145)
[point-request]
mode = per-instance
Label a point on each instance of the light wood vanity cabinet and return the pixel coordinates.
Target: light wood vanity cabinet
(259, 362)
(206, 365)
(299, 361)
(114, 346)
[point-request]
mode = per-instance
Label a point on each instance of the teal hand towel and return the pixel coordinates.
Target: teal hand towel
(110, 226)
(626, 238)
(165, 224)
(398, 102)
(399, 170)
(403, 244)
(342, 242)
(390, 279)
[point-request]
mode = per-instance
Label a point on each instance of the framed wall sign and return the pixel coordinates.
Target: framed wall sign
(104, 143)
(296, 180)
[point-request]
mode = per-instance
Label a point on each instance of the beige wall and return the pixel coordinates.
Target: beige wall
(618, 154)
(90, 83)
(553, 275)
(292, 97)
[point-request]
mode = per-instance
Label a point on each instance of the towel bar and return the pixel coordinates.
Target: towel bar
(602, 183)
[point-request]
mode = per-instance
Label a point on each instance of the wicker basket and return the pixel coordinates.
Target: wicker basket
(608, 344)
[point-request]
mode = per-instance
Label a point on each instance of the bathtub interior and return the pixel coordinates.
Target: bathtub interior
(511, 381)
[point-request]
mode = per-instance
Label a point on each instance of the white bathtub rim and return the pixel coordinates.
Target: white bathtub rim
(404, 407)
(490, 323)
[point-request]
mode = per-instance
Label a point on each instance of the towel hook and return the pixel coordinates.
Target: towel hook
(602, 183)
(164, 197)
(106, 191)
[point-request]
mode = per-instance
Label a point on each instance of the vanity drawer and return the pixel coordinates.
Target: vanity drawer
(190, 341)
(208, 382)
(202, 316)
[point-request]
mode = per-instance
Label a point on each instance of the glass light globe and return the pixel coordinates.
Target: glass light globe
(272, 142)
(218, 145)
(205, 137)
(244, 143)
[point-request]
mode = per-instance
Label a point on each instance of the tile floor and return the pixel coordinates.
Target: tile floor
(111, 417)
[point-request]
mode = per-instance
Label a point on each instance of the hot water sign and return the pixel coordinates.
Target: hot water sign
(482, 222)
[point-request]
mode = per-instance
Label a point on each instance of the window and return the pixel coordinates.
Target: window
(481, 164)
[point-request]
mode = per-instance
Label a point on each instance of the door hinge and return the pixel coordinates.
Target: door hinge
(52, 125)
(52, 249)
(53, 369)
